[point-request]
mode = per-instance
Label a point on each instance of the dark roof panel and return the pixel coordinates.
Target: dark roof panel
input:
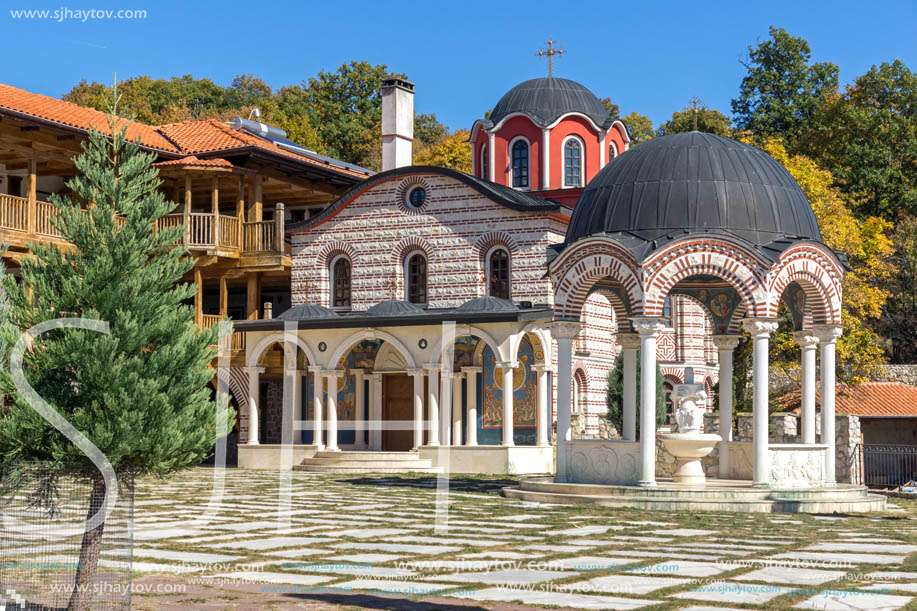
(544, 100)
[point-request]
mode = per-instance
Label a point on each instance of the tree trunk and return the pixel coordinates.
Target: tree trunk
(89, 552)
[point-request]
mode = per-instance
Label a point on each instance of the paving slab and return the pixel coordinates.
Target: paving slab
(849, 601)
(829, 559)
(557, 599)
(731, 592)
(270, 543)
(633, 584)
(791, 575)
(426, 550)
(685, 568)
(880, 548)
(268, 577)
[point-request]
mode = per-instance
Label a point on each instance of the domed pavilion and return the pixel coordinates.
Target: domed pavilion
(724, 224)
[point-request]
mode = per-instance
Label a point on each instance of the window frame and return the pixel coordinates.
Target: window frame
(483, 162)
(528, 163)
(509, 271)
(407, 277)
(332, 280)
(582, 160)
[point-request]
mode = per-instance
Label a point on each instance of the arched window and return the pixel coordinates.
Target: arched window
(612, 151)
(579, 391)
(668, 311)
(520, 164)
(416, 278)
(484, 169)
(668, 388)
(573, 163)
(340, 282)
(498, 283)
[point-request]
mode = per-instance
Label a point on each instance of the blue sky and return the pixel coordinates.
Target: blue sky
(647, 56)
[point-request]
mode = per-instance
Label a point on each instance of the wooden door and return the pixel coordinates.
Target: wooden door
(397, 404)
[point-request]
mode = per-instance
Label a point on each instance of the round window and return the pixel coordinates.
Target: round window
(417, 196)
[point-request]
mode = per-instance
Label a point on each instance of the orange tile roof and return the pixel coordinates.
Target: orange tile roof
(188, 138)
(73, 115)
(872, 399)
(194, 161)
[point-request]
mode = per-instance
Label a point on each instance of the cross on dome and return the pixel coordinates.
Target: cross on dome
(550, 53)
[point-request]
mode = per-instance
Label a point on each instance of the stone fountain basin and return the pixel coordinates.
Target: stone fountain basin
(690, 445)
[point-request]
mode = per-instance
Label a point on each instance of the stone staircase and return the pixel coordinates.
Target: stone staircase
(367, 462)
(845, 498)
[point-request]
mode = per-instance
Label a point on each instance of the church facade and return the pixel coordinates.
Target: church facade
(421, 295)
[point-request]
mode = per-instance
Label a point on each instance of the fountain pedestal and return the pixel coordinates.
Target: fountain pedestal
(689, 445)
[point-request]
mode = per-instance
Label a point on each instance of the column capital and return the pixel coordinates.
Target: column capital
(417, 372)
(432, 366)
(458, 375)
(358, 371)
(473, 369)
(375, 377)
(565, 329)
(806, 338)
(508, 365)
(828, 334)
(648, 325)
(333, 373)
(542, 368)
(628, 341)
(758, 327)
(253, 369)
(726, 342)
(315, 368)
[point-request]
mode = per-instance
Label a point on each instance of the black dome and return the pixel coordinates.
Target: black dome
(543, 100)
(694, 182)
(307, 311)
(394, 307)
(487, 304)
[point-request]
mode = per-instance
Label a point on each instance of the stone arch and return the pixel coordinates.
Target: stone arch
(544, 337)
(581, 389)
(491, 239)
(409, 245)
(587, 262)
(334, 248)
(622, 317)
(252, 357)
(818, 276)
(359, 336)
(705, 257)
(674, 374)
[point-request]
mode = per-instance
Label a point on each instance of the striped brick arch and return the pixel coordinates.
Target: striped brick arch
(673, 373)
(622, 316)
(586, 263)
(333, 249)
(705, 257)
(409, 245)
(494, 238)
(818, 274)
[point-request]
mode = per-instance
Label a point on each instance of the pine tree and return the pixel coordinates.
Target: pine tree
(614, 395)
(142, 393)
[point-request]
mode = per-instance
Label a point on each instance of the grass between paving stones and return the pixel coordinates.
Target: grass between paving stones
(477, 501)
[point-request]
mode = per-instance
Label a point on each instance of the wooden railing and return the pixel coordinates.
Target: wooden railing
(14, 212)
(259, 236)
(209, 321)
(44, 212)
(200, 231)
(237, 339)
(229, 232)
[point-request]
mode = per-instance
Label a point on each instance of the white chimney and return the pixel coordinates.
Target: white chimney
(397, 123)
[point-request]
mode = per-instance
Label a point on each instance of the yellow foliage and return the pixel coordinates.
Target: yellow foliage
(868, 248)
(451, 151)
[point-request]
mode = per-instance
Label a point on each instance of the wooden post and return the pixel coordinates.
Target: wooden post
(254, 294)
(259, 198)
(240, 210)
(187, 218)
(278, 228)
(255, 193)
(224, 297)
(176, 193)
(198, 297)
(215, 208)
(32, 195)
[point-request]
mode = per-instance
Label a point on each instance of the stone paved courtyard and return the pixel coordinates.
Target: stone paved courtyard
(348, 542)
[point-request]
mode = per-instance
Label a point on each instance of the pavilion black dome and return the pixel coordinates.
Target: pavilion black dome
(544, 100)
(690, 183)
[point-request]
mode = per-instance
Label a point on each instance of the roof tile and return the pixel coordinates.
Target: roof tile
(872, 399)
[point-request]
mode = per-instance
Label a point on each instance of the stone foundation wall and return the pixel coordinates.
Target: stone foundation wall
(899, 373)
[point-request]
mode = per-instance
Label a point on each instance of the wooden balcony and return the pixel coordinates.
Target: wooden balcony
(221, 234)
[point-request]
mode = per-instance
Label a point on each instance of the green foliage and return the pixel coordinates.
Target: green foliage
(867, 138)
(611, 108)
(428, 130)
(899, 321)
(449, 151)
(142, 393)
(781, 90)
(614, 395)
(707, 120)
(640, 127)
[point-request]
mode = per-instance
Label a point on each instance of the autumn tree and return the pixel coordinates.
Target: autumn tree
(450, 151)
(613, 110)
(640, 127)
(899, 320)
(697, 117)
(782, 89)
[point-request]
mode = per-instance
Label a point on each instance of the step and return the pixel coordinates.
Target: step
(361, 464)
(368, 456)
(869, 503)
(338, 469)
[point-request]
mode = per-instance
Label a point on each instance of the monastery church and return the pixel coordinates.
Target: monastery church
(423, 311)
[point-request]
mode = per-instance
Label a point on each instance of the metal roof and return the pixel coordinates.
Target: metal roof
(694, 183)
(546, 99)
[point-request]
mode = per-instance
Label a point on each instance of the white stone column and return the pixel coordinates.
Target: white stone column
(564, 332)
(808, 344)
(254, 387)
(375, 411)
(648, 328)
(630, 344)
(445, 407)
(491, 158)
(545, 158)
(828, 336)
(471, 405)
(359, 424)
(317, 392)
(418, 375)
(725, 344)
(457, 408)
(331, 376)
(509, 374)
(432, 403)
(297, 403)
(760, 330)
(541, 404)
